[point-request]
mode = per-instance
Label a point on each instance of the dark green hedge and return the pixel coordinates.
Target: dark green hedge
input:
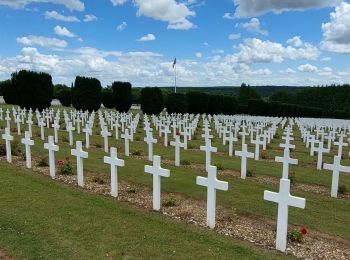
(86, 94)
(152, 101)
(176, 103)
(122, 96)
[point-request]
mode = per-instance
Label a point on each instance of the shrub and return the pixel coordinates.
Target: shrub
(43, 162)
(65, 167)
(137, 153)
(122, 97)
(15, 148)
(98, 145)
(98, 179)
(152, 101)
(170, 202)
(86, 94)
(63, 94)
(250, 173)
(2, 150)
(130, 189)
(219, 167)
(296, 235)
(343, 189)
(34, 90)
(9, 92)
(107, 98)
(197, 102)
(215, 105)
(185, 162)
(176, 103)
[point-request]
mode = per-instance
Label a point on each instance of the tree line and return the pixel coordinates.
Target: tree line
(35, 90)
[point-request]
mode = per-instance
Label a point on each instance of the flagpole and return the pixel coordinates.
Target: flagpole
(175, 78)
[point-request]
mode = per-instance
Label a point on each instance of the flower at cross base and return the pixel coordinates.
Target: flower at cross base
(60, 162)
(303, 230)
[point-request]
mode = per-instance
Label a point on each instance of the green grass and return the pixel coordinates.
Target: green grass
(44, 219)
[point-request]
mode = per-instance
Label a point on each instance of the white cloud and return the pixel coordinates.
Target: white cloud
(90, 18)
(73, 5)
(250, 8)
(258, 51)
(295, 41)
(45, 42)
(199, 55)
(234, 36)
(63, 31)
(118, 2)
(122, 26)
(218, 51)
(326, 71)
(326, 59)
(336, 33)
(228, 16)
(288, 71)
(205, 44)
(175, 14)
(56, 16)
(147, 38)
(308, 68)
(253, 26)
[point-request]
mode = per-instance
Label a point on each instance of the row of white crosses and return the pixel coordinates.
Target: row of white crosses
(334, 132)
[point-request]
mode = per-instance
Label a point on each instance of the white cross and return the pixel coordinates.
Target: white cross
(27, 142)
(87, 130)
(18, 122)
(105, 134)
(166, 131)
(30, 123)
(244, 154)
(8, 138)
(208, 149)
(284, 200)
(80, 154)
(126, 137)
(52, 149)
(42, 124)
(157, 171)
(70, 130)
(286, 160)
(212, 184)
(56, 126)
(8, 119)
(320, 150)
(114, 162)
(230, 140)
(340, 145)
(257, 143)
(177, 144)
(336, 167)
(150, 141)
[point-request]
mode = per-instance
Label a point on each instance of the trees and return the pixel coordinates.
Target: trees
(86, 94)
(197, 102)
(152, 101)
(215, 104)
(64, 94)
(176, 103)
(34, 89)
(230, 105)
(122, 96)
(107, 98)
(9, 92)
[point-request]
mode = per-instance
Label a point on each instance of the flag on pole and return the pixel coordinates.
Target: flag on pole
(174, 63)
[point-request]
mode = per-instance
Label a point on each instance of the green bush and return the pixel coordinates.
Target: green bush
(152, 102)
(34, 89)
(295, 236)
(9, 92)
(170, 202)
(197, 102)
(122, 96)
(343, 189)
(176, 103)
(63, 94)
(107, 98)
(86, 94)
(98, 179)
(43, 161)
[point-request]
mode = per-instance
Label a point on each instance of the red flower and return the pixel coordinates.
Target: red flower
(60, 162)
(303, 230)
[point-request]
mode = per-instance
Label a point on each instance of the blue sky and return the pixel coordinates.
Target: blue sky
(223, 42)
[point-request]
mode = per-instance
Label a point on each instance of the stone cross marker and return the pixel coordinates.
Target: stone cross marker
(126, 138)
(8, 138)
(257, 143)
(28, 143)
(320, 150)
(336, 167)
(208, 149)
(157, 172)
(177, 144)
(244, 154)
(42, 131)
(284, 200)
(150, 141)
(50, 145)
(212, 184)
(80, 154)
(70, 130)
(114, 162)
(105, 134)
(286, 160)
(87, 130)
(56, 127)
(18, 122)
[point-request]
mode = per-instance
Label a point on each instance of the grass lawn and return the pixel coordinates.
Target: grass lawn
(41, 218)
